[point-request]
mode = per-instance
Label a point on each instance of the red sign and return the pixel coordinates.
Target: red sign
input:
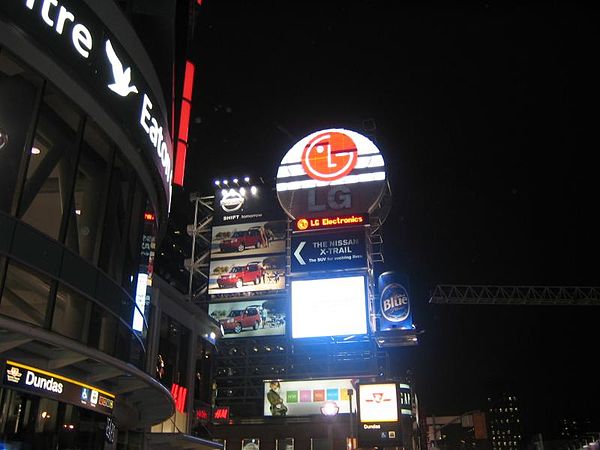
(221, 413)
(329, 156)
(203, 414)
(179, 394)
(321, 223)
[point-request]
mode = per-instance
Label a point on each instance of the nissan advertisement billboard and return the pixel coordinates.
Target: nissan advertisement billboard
(251, 318)
(241, 277)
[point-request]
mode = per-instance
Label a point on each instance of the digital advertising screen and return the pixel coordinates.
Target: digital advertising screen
(246, 276)
(248, 239)
(251, 318)
(378, 402)
(329, 307)
(378, 418)
(306, 397)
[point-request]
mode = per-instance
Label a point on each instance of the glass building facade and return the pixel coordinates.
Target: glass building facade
(85, 169)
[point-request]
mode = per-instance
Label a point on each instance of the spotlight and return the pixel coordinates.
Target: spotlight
(242, 191)
(35, 151)
(223, 192)
(253, 190)
(235, 180)
(225, 182)
(217, 182)
(247, 179)
(330, 409)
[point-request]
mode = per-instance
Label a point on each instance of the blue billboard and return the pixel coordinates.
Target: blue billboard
(394, 302)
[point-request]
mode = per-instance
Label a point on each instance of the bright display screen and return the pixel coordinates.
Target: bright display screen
(306, 397)
(378, 403)
(329, 307)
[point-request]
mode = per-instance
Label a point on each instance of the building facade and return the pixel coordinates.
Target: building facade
(86, 163)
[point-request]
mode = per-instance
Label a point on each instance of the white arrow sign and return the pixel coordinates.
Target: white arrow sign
(297, 253)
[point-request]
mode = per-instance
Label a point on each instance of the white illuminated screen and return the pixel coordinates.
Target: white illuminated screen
(329, 307)
(378, 403)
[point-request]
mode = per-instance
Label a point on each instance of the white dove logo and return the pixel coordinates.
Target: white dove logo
(122, 77)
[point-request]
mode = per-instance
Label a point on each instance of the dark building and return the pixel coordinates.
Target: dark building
(505, 420)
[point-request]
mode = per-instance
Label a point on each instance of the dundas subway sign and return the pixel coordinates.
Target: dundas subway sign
(74, 36)
(46, 384)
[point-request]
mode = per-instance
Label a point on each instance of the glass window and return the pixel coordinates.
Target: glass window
(71, 314)
(173, 350)
(103, 330)
(51, 168)
(18, 91)
(116, 222)
(25, 295)
(89, 196)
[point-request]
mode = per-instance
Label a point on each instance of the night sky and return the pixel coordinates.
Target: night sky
(486, 115)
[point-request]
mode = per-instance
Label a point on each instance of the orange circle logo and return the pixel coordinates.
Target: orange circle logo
(302, 224)
(329, 156)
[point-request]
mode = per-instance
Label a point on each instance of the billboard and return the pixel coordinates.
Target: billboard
(248, 239)
(246, 276)
(394, 302)
(346, 249)
(251, 318)
(306, 397)
(331, 172)
(235, 203)
(329, 307)
(378, 416)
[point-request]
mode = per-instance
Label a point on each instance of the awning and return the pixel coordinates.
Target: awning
(179, 441)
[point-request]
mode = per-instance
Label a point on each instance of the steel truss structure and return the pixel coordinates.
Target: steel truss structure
(516, 295)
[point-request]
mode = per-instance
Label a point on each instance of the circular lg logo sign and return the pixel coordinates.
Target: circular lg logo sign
(329, 156)
(394, 303)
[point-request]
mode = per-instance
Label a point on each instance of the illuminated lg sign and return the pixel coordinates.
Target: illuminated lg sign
(329, 156)
(320, 223)
(332, 171)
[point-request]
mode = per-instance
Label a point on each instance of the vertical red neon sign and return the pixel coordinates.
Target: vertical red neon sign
(184, 123)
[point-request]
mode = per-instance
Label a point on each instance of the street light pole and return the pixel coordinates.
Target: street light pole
(351, 446)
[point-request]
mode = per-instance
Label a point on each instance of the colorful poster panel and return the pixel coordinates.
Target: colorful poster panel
(306, 397)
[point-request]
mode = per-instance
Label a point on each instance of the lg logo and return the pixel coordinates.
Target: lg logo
(329, 156)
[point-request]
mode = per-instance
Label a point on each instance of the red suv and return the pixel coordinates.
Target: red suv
(238, 319)
(240, 240)
(238, 275)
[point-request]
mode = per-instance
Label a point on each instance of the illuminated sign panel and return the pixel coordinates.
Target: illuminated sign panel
(221, 414)
(47, 384)
(329, 307)
(331, 172)
(345, 249)
(306, 397)
(251, 318)
(246, 239)
(244, 204)
(394, 302)
(378, 415)
(334, 221)
(243, 277)
(76, 37)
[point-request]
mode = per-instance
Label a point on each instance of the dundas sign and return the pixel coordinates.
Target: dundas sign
(36, 381)
(75, 36)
